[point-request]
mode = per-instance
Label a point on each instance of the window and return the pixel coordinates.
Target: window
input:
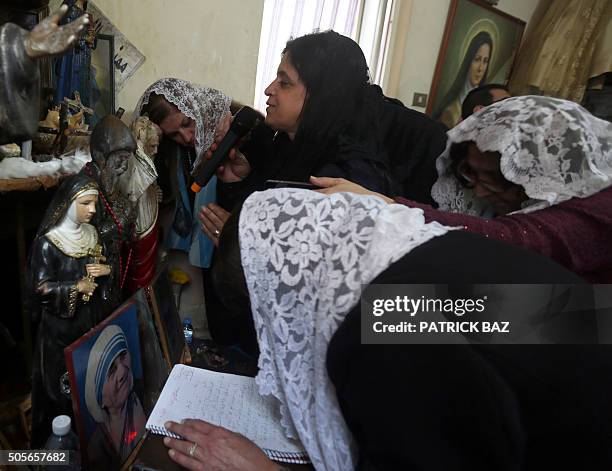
(366, 21)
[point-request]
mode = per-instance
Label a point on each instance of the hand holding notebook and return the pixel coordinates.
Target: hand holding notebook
(229, 401)
(216, 447)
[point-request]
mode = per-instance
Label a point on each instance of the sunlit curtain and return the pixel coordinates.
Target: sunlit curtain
(366, 21)
(555, 59)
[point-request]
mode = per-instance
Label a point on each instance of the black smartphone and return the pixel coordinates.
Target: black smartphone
(288, 184)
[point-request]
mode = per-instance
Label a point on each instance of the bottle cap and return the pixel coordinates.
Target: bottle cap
(61, 425)
(187, 320)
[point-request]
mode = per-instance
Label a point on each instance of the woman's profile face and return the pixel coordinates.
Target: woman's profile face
(286, 96)
(179, 128)
(86, 208)
(119, 382)
(479, 65)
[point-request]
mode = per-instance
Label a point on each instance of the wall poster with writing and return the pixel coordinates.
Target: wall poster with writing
(127, 58)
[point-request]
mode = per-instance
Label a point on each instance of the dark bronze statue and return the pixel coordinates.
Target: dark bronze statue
(112, 145)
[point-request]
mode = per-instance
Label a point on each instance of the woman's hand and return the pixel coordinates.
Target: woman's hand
(213, 217)
(86, 286)
(97, 269)
(236, 167)
(331, 185)
(208, 447)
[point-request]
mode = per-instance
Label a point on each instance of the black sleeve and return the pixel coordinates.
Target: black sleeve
(476, 407)
(423, 407)
(370, 174)
(60, 297)
(413, 142)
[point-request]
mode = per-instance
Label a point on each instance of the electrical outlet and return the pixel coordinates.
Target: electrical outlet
(419, 99)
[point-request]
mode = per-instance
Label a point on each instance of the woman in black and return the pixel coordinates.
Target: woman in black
(291, 268)
(325, 118)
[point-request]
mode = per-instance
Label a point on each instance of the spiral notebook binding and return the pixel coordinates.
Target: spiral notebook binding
(163, 431)
(287, 457)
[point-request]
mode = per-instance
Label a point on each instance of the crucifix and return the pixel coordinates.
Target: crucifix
(95, 254)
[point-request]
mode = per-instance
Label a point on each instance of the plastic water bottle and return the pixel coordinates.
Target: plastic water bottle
(188, 330)
(63, 438)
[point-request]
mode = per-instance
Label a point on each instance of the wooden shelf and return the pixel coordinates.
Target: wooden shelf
(31, 183)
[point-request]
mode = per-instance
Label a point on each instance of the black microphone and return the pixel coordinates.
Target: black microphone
(245, 120)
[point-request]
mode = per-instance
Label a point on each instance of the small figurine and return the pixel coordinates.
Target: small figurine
(61, 273)
(52, 120)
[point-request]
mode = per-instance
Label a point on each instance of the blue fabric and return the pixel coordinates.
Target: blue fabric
(197, 244)
(73, 74)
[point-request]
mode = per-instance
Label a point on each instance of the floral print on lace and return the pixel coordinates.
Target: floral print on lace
(306, 257)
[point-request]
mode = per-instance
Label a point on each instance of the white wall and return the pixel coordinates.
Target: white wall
(423, 39)
(211, 42)
(216, 42)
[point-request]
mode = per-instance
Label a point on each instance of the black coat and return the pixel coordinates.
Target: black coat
(397, 156)
(468, 407)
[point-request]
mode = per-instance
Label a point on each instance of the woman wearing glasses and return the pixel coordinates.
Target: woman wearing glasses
(532, 171)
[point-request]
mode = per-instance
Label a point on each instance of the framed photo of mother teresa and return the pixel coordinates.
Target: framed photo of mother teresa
(105, 371)
(479, 47)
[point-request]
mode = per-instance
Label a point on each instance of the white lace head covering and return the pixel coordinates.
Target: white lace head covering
(306, 257)
(206, 106)
(72, 237)
(553, 148)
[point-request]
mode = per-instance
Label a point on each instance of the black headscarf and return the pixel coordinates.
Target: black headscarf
(341, 105)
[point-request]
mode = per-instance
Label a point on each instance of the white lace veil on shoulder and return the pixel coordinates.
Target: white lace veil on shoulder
(206, 106)
(306, 257)
(553, 148)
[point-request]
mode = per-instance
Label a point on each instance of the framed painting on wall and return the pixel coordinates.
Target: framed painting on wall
(478, 47)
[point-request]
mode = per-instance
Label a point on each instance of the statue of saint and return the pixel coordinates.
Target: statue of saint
(112, 146)
(67, 291)
(138, 183)
(73, 69)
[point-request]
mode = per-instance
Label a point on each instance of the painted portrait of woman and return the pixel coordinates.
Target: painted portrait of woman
(112, 401)
(478, 47)
(472, 74)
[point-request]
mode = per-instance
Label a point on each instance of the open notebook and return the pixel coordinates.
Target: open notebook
(230, 401)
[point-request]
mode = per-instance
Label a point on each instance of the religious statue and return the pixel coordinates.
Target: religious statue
(73, 69)
(112, 146)
(19, 71)
(68, 291)
(139, 185)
